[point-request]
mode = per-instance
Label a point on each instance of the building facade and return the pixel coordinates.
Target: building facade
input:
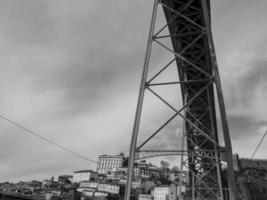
(166, 192)
(93, 187)
(173, 192)
(89, 184)
(161, 193)
(107, 163)
(124, 171)
(144, 197)
(148, 172)
(174, 176)
(84, 175)
(65, 178)
(109, 188)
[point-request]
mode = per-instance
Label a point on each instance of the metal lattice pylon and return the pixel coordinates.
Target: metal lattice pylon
(189, 28)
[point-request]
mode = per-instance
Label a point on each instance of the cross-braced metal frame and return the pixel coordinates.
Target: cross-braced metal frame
(189, 28)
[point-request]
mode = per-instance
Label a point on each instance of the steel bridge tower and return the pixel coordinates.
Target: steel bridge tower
(189, 30)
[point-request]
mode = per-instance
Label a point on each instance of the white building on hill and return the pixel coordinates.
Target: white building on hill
(168, 192)
(107, 163)
(84, 175)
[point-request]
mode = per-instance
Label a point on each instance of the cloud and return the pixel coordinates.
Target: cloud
(244, 126)
(69, 73)
(245, 99)
(254, 78)
(73, 49)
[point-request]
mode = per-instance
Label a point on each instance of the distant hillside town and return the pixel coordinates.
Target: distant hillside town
(107, 182)
(150, 182)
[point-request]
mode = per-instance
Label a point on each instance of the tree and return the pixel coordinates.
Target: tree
(164, 164)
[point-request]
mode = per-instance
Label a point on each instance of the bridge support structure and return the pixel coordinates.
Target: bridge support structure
(189, 31)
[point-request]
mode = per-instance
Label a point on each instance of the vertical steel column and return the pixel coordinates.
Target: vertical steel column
(226, 134)
(140, 104)
(193, 188)
(218, 167)
(180, 197)
(182, 165)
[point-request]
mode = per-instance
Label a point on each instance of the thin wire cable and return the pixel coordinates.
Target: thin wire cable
(258, 145)
(46, 139)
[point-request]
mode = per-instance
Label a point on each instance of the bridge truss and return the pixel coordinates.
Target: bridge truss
(189, 30)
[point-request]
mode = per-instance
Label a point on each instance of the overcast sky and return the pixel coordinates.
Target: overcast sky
(70, 70)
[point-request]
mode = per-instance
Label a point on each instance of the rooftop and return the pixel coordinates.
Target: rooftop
(110, 156)
(84, 171)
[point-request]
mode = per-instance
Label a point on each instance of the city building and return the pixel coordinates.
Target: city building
(145, 170)
(124, 170)
(185, 176)
(114, 174)
(161, 193)
(94, 188)
(93, 195)
(148, 186)
(100, 194)
(173, 192)
(145, 197)
(174, 176)
(164, 173)
(182, 188)
(64, 179)
(166, 192)
(253, 163)
(109, 188)
(148, 172)
(84, 175)
(89, 184)
(106, 163)
(135, 183)
(87, 193)
(177, 175)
